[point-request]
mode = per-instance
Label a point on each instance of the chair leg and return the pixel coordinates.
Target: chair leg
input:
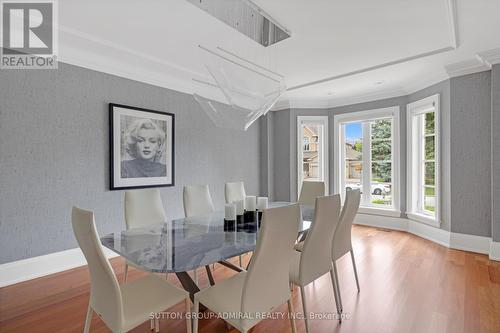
(195, 313)
(88, 319)
(151, 324)
(188, 315)
(355, 270)
(335, 293)
(241, 260)
(126, 273)
(166, 276)
(291, 287)
(291, 316)
(304, 307)
(338, 285)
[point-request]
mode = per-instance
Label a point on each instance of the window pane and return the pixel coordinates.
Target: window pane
(381, 193)
(381, 186)
(429, 200)
(353, 156)
(381, 172)
(311, 170)
(382, 129)
(429, 147)
(354, 175)
(429, 123)
(430, 173)
(381, 150)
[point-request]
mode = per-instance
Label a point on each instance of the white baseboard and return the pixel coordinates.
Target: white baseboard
(379, 221)
(32, 268)
(452, 240)
(495, 251)
(436, 235)
(470, 243)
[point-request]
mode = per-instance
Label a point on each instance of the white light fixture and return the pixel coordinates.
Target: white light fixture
(248, 89)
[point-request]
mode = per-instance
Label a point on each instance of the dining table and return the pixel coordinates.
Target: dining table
(185, 244)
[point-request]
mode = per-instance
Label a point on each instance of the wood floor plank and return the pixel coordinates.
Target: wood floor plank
(408, 284)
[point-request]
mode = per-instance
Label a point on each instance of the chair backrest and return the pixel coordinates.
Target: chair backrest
(315, 259)
(105, 295)
(143, 208)
(310, 191)
(267, 282)
(234, 191)
(197, 200)
(342, 237)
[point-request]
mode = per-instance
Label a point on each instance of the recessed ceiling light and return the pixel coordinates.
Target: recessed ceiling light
(379, 82)
(330, 93)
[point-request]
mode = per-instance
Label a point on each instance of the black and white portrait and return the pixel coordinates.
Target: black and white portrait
(142, 147)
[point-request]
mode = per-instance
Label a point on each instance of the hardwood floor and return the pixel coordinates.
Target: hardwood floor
(408, 284)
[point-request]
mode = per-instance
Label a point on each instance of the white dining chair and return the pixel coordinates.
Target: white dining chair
(121, 307)
(310, 191)
(142, 208)
(265, 285)
(235, 191)
(197, 201)
(342, 243)
(313, 261)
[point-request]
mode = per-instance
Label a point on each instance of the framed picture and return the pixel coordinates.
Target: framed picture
(141, 144)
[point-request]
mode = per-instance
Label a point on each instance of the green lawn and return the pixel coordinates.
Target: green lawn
(430, 208)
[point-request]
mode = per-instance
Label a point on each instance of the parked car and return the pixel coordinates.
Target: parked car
(376, 188)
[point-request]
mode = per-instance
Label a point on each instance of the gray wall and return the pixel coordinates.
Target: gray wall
(471, 154)
(54, 154)
(495, 153)
(281, 152)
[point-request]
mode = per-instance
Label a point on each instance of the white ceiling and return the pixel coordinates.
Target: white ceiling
(340, 52)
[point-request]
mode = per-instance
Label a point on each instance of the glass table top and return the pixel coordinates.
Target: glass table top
(187, 243)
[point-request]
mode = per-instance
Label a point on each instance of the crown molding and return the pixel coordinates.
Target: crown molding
(170, 76)
(490, 57)
(466, 67)
(426, 82)
(383, 94)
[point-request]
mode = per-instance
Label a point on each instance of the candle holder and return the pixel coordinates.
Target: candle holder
(229, 225)
(240, 223)
(251, 227)
(250, 216)
(262, 203)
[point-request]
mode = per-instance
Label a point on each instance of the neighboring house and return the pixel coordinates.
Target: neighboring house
(310, 153)
(353, 164)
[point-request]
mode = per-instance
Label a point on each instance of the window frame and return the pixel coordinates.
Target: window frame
(339, 158)
(324, 147)
(416, 157)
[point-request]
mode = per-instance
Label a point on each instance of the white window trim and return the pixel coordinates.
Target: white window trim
(324, 149)
(416, 108)
(338, 170)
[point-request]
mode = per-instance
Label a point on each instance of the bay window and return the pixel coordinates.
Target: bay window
(367, 158)
(423, 160)
(312, 152)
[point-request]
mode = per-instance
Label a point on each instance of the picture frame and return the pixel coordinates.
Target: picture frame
(142, 147)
